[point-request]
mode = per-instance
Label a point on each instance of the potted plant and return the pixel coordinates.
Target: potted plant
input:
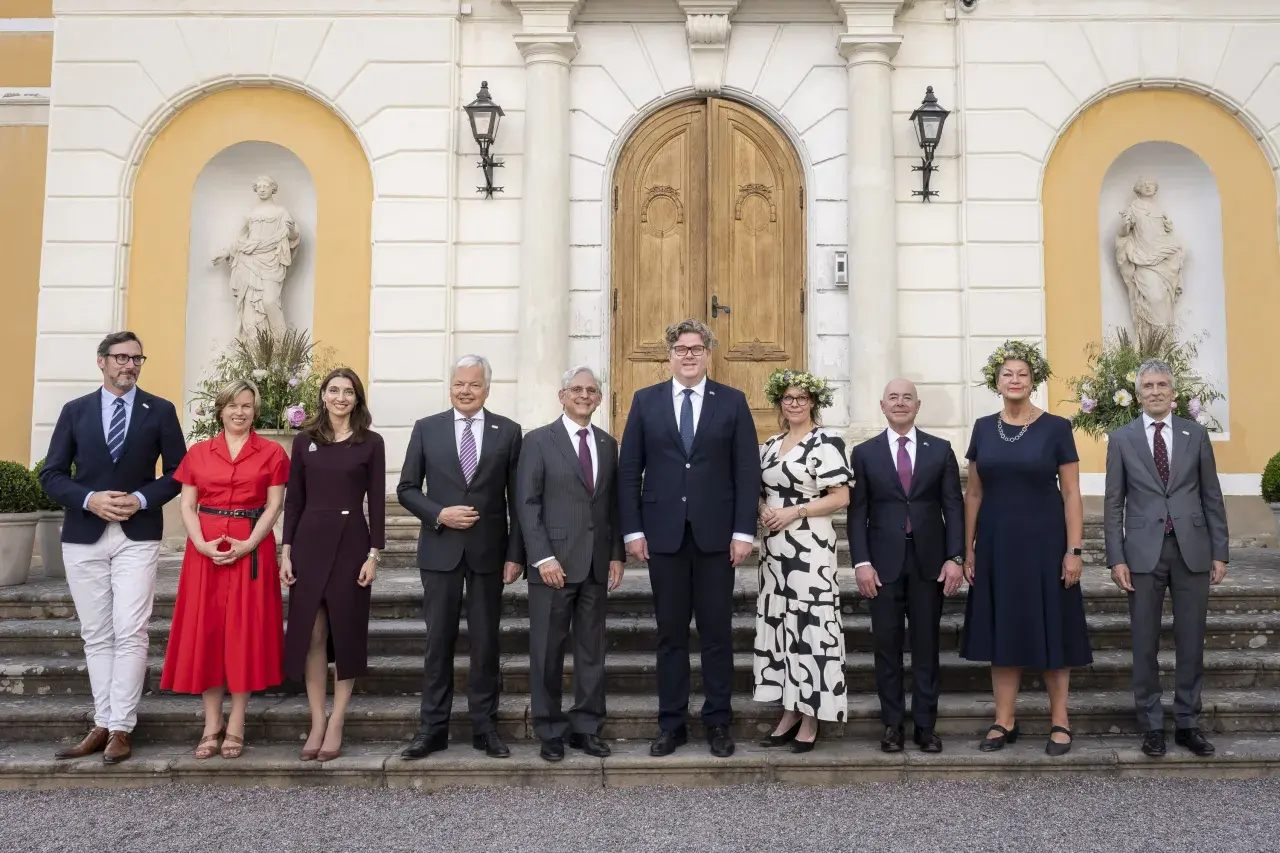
(286, 367)
(49, 531)
(19, 514)
(1271, 488)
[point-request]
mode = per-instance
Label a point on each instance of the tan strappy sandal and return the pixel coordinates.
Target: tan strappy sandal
(208, 745)
(232, 746)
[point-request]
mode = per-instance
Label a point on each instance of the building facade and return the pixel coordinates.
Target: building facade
(749, 162)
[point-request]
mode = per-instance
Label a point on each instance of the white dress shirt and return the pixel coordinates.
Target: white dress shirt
(477, 430)
(1148, 424)
(892, 437)
(108, 401)
(572, 429)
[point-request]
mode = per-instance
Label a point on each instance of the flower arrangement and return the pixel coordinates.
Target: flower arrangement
(1020, 351)
(286, 367)
(780, 380)
(1108, 394)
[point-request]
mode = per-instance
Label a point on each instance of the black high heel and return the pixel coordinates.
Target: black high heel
(1053, 747)
(772, 740)
(799, 746)
(1007, 736)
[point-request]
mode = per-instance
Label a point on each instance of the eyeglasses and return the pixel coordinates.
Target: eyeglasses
(124, 358)
(579, 390)
(795, 401)
(682, 351)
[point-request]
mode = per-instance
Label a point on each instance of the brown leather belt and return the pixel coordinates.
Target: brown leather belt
(255, 513)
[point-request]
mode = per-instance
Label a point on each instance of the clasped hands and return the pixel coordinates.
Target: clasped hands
(114, 506)
(776, 518)
(239, 548)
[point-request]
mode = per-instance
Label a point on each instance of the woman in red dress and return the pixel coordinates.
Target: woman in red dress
(330, 555)
(227, 632)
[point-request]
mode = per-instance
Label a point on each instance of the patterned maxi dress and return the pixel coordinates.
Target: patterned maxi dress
(799, 646)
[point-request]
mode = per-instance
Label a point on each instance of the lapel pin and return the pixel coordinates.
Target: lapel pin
(712, 393)
(924, 444)
(493, 426)
(146, 405)
(1184, 432)
(312, 447)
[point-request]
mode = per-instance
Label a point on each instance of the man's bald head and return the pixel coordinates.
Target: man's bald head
(900, 404)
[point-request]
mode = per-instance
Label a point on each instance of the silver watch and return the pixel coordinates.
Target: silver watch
(374, 555)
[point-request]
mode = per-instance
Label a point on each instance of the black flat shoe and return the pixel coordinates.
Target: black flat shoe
(1053, 747)
(552, 750)
(892, 740)
(491, 745)
(928, 740)
(720, 742)
(667, 742)
(1153, 743)
(591, 745)
(772, 740)
(424, 744)
(1194, 741)
(1006, 736)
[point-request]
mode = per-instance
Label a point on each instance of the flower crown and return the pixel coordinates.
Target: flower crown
(780, 380)
(1017, 351)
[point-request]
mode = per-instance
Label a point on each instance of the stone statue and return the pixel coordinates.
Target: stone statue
(1150, 260)
(259, 259)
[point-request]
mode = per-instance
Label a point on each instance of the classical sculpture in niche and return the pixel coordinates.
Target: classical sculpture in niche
(260, 258)
(1150, 260)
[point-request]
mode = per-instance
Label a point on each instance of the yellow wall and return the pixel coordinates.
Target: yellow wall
(1251, 255)
(26, 8)
(157, 289)
(26, 59)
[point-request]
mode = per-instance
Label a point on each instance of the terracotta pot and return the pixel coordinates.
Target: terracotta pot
(49, 535)
(17, 546)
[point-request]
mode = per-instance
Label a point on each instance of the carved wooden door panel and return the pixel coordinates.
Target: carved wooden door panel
(707, 206)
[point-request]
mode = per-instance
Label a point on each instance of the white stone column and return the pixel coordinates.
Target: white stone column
(869, 44)
(543, 345)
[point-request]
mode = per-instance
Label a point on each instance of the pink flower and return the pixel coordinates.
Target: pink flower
(296, 415)
(293, 382)
(1087, 405)
(1194, 408)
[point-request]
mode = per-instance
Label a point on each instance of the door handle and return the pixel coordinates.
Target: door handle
(717, 308)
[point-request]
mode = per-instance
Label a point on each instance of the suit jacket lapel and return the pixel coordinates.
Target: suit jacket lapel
(1180, 444)
(1137, 434)
(486, 445)
(141, 408)
(447, 437)
(670, 410)
(925, 461)
(710, 406)
(888, 456)
(560, 438)
(607, 462)
(99, 434)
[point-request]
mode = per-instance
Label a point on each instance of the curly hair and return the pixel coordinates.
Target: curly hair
(684, 327)
(1022, 351)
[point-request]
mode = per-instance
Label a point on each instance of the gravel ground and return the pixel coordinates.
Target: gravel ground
(1076, 814)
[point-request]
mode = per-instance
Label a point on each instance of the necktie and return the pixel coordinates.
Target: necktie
(584, 459)
(467, 455)
(1161, 452)
(686, 421)
(115, 433)
(904, 471)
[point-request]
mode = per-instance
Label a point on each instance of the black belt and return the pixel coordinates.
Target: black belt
(255, 513)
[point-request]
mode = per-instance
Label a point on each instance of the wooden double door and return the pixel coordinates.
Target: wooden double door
(708, 222)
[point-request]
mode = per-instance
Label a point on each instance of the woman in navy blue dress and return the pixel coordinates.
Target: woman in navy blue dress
(1025, 527)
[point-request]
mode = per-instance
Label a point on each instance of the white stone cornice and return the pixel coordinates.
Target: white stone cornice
(547, 16)
(559, 48)
(869, 34)
(24, 106)
(707, 29)
(708, 7)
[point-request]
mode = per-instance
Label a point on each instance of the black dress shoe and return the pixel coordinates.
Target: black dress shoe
(721, 743)
(1194, 741)
(552, 750)
(800, 746)
(667, 742)
(491, 745)
(892, 740)
(771, 740)
(1153, 743)
(1052, 747)
(424, 744)
(927, 740)
(591, 745)
(1006, 736)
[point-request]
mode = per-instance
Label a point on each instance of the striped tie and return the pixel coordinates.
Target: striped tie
(467, 455)
(115, 434)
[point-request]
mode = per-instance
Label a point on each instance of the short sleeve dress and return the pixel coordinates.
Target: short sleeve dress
(799, 646)
(228, 627)
(1018, 612)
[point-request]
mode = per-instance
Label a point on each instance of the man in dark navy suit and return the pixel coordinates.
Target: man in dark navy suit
(688, 485)
(112, 530)
(906, 532)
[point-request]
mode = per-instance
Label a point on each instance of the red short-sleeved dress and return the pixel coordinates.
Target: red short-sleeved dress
(227, 627)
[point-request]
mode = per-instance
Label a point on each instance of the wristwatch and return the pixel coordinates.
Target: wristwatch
(959, 561)
(1076, 552)
(803, 511)
(374, 555)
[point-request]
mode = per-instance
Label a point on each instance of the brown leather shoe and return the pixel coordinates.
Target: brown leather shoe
(118, 748)
(93, 742)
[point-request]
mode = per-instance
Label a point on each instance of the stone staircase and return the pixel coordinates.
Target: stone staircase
(44, 687)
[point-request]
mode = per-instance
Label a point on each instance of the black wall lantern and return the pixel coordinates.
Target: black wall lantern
(928, 119)
(485, 116)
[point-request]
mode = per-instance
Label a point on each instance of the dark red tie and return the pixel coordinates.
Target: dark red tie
(904, 471)
(584, 459)
(1161, 452)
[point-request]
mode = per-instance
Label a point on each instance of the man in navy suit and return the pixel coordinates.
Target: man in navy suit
(906, 532)
(688, 485)
(111, 534)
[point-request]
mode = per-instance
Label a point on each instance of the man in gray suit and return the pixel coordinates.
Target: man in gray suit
(1166, 527)
(567, 502)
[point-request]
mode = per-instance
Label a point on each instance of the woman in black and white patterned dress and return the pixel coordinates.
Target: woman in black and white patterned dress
(799, 646)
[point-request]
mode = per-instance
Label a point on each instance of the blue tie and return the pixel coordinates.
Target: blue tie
(115, 434)
(686, 421)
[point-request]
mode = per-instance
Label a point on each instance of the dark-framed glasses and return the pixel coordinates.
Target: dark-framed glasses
(124, 358)
(790, 400)
(682, 350)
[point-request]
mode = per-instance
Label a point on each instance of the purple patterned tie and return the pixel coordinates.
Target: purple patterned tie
(904, 470)
(467, 454)
(584, 459)
(1161, 452)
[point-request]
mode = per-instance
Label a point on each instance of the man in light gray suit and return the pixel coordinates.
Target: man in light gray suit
(567, 502)
(1166, 527)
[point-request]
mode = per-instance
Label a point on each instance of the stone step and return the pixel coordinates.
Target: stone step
(639, 634)
(168, 718)
(634, 672)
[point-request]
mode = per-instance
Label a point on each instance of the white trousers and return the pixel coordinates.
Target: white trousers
(113, 584)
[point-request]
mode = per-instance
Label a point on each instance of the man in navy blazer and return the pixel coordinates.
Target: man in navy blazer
(688, 485)
(112, 529)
